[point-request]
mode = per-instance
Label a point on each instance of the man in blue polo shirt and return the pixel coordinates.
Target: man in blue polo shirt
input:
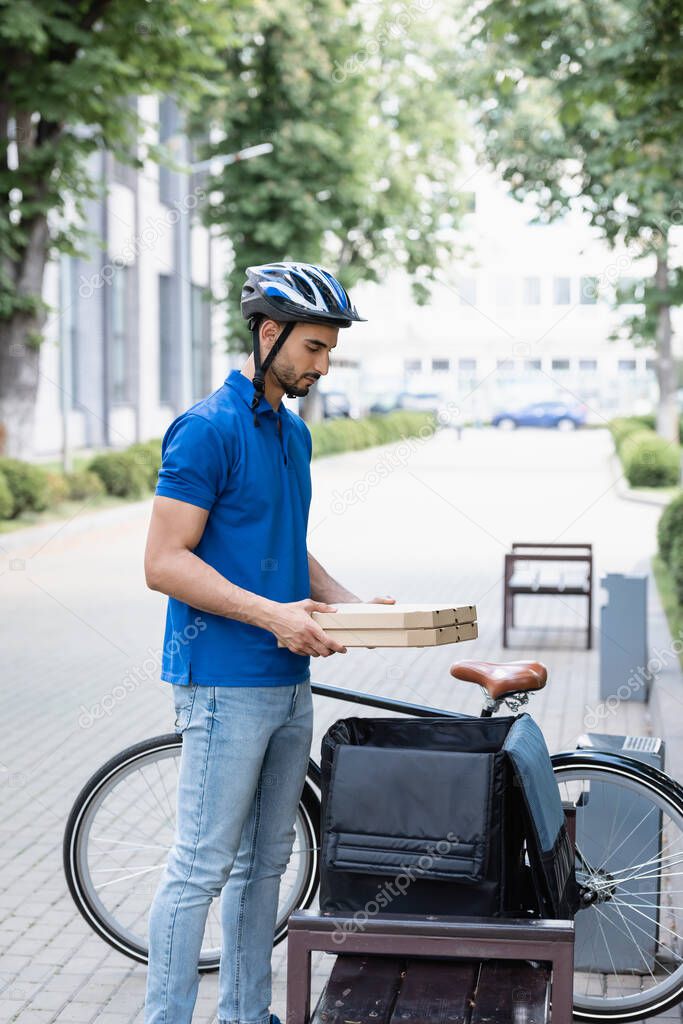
(227, 544)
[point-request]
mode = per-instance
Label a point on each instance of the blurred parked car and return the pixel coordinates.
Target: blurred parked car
(383, 404)
(542, 414)
(423, 401)
(335, 404)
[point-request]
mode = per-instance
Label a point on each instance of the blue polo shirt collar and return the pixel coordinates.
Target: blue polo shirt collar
(237, 381)
(245, 389)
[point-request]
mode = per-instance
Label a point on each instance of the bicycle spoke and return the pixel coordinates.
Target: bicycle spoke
(124, 842)
(669, 930)
(133, 874)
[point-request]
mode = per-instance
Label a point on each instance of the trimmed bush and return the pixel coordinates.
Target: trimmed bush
(676, 566)
(669, 527)
(28, 484)
(343, 435)
(623, 426)
(148, 455)
(83, 484)
(6, 499)
(649, 460)
(121, 474)
(57, 488)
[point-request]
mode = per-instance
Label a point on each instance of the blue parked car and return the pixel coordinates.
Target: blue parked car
(542, 414)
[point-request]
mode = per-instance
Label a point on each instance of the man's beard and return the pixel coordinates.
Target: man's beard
(286, 376)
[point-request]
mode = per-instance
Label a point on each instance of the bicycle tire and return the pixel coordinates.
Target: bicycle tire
(646, 783)
(76, 835)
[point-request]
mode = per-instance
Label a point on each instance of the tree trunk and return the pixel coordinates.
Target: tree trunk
(18, 386)
(667, 410)
(20, 344)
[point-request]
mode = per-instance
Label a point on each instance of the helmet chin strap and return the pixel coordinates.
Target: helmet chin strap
(260, 369)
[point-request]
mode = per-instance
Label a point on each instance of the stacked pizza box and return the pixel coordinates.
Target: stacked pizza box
(399, 625)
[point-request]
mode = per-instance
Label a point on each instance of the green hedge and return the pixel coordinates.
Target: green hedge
(622, 426)
(669, 527)
(122, 473)
(133, 472)
(342, 435)
(670, 543)
(84, 484)
(148, 455)
(6, 499)
(29, 486)
(649, 460)
(676, 566)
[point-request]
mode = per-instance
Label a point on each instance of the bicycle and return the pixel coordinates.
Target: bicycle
(629, 853)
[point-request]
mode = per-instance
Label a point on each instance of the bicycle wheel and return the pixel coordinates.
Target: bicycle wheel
(628, 962)
(117, 839)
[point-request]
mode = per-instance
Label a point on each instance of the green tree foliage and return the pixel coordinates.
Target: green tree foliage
(69, 69)
(581, 106)
(363, 173)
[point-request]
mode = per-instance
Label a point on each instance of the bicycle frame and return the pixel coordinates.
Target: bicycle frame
(387, 703)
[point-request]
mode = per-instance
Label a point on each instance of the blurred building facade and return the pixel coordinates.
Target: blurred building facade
(523, 317)
(133, 339)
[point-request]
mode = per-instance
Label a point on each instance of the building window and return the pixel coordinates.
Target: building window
(589, 291)
(532, 364)
(166, 321)
(651, 365)
(505, 364)
(505, 290)
(169, 125)
(561, 296)
(560, 364)
(532, 291)
(467, 290)
(588, 364)
(441, 365)
(412, 365)
(467, 365)
(201, 342)
(120, 340)
(627, 365)
(125, 173)
(69, 333)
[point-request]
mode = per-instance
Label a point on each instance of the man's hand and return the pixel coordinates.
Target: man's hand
(295, 629)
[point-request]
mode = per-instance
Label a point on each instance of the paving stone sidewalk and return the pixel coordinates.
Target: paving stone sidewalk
(77, 618)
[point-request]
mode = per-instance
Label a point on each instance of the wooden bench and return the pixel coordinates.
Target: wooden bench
(549, 569)
(431, 970)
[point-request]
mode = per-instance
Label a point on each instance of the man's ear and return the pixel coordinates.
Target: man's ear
(268, 335)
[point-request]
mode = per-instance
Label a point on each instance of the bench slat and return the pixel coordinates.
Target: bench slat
(361, 989)
(511, 990)
(436, 992)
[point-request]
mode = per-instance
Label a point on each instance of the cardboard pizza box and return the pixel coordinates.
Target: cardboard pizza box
(428, 637)
(354, 615)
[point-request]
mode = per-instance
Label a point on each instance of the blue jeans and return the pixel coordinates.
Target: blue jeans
(242, 770)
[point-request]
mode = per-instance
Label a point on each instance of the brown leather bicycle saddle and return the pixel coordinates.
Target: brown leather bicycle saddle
(502, 678)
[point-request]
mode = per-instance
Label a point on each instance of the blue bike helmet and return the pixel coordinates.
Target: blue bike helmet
(291, 293)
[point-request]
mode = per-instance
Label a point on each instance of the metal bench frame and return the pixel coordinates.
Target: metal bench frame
(581, 553)
(413, 935)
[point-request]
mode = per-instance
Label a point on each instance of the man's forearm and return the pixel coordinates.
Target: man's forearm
(324, 587)
(186, 577)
